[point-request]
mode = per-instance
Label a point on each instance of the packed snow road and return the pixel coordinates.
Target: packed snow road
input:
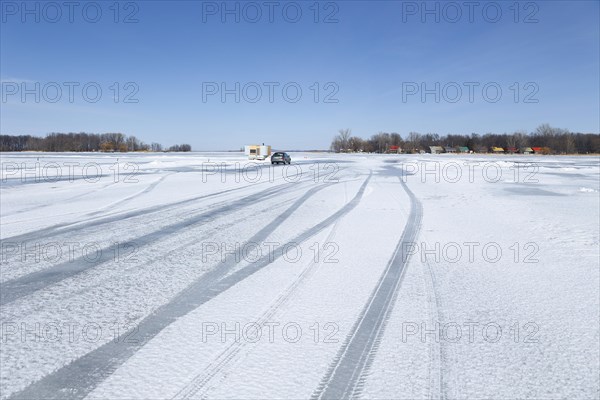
(204, 275)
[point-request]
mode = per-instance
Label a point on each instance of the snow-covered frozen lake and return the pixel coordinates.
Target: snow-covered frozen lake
(205, 275)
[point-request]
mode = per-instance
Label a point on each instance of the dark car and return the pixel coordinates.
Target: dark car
(280, 158)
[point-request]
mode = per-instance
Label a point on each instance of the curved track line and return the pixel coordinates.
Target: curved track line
(437, 387)
(127, 199)
(230, 354)
(205, 236)
(345, 376)
(32, 208)
(80, 377)
(27, 284)
(68, 227)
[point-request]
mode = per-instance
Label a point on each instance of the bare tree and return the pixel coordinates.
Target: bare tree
(413, 141)
(518, 139)
(396, 139)
(570, 143)
(545, 130)
(511, 141)
(341, 141)
(156, 146)
(383, 140)
(355, 144)
(344, 136)
(133, 144)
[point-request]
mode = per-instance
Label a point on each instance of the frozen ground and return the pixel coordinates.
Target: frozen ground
(203, 275)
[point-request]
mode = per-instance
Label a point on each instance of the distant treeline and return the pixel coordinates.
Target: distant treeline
(107, 142)
(555, 140)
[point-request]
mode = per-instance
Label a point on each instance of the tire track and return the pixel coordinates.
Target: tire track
(185, 246)
(80, 377)
(33, 208)
(436, 389)
(230, 354)
(71, 227)
(345, 376)
(27, 284)
(127, 199)
(437, 386)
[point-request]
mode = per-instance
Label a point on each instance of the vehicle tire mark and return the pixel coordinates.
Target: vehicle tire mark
(127, 199)
(177, 250)
(69, 227)
(80, 377)
(33, 208)
(27, 284)
(436, 378)
(345, 376)
(229, 354)
(436, 354)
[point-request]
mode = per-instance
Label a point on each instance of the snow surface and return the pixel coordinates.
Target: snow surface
(205, 275)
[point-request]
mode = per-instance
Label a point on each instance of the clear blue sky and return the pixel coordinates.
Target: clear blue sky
(372, 54)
